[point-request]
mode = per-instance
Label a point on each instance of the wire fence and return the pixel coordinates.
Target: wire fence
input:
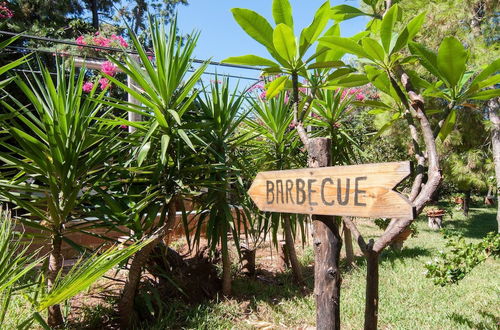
(22, 49)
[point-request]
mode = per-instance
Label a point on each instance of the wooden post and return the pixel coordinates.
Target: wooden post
(327, 245)
(349, 253)
(371, 307)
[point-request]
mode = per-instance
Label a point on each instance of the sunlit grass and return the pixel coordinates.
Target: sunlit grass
(408, 300)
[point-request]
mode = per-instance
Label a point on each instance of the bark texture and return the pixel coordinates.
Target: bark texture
(327, 246)
(126, 304)
(493, 111)
(226, 269)
(291, 252)
(55, 318)
(371, 303)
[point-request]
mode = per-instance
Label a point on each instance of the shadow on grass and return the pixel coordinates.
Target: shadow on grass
(248, 292)
(477, 225)
(390, 256)
(491, 321)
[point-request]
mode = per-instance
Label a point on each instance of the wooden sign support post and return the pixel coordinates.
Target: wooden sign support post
(327, 246)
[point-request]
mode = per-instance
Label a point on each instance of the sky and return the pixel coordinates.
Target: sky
(222, 37)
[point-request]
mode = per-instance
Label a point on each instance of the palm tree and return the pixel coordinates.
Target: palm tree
(56, 149)
(221, 116)
(162, 148)
(277, 148)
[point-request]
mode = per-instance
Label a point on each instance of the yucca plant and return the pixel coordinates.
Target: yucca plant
(15, 260)
(6, 68)
(86, 271)
(56, 149)
(331, 114)
(277, 148)
(163, 150)
(218, 128)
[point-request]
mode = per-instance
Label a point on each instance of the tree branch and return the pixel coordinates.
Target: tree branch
(357, 235)
(434, 177)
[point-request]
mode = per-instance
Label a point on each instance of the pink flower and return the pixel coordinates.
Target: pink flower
(150, 57)
(353, 91)
(104, 83)
(120, 39)
(262, 95)
(108, 68)
(87, 87)
(101, 41)
(5, 12)
(123, 126)
(81, 40)
(360, 97)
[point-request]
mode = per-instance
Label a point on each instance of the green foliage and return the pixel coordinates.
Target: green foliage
(288, 55)
(15, 261)
(163, 163)
(332, 116)
(56, 145)
(219, 131)
(383, 223)
(462, 258)
(85, 272)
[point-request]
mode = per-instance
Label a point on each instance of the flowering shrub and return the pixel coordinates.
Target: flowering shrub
(98, 39)
(5, 12)
(107, 68)
(451, 267)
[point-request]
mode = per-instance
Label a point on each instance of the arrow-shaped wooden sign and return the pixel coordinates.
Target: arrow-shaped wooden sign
(358, 190)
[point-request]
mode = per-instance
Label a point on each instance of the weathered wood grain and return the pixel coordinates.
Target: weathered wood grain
(358, 190)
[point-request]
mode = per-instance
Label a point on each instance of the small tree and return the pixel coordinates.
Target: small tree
(387, 68)
(57, 148)
(162, 149)
(218, 128)
(276, 148)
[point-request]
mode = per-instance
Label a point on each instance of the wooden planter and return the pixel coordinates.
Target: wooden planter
(435, 219)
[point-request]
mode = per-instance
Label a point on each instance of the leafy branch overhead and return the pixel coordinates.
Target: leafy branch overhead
(380, 51)
(288, 52)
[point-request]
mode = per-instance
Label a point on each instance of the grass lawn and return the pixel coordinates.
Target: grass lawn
(408, 300)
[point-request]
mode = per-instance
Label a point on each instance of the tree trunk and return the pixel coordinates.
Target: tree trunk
(55, 317)
(284, 261)
(466, 204)
(327, 246)
(349, 253)
(226, 269)
(95, 14)
(248, 260)
(493, 111)
(126, 304)
(290, 249)
(371, 306)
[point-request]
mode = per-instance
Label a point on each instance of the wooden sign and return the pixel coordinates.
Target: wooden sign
(358, 190)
